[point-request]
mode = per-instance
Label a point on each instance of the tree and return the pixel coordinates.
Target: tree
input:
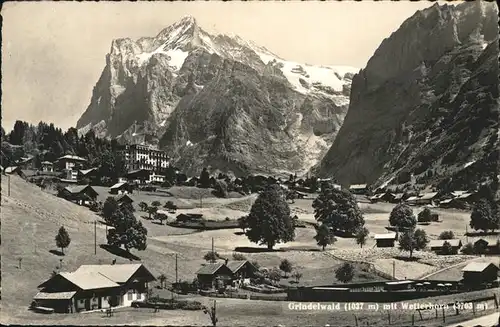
(205, 178)
(362, 236)
(297, 275)
(170, 206)
(161, 217)
(324, 236)
(447, 235)
(482, 217)
(286, 266)
(402, 217)
(156, 204)
(143, 206)
(413, 240)
(152, 211)
(238, 257)
(162, 278)
(221, 188)
(345, 273)
(269, 221)
(275, 275)
(127, 232)
(109, 208)
(338, 209)
(256, 264)
(425, 215)
(211, 256)
(447, 248)
(468, 249)
(62, 239)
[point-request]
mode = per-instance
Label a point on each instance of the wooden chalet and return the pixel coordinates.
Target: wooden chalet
(385, 240)
(241, 269)
(360, 189)
(208, 274)
(82, 194)
(47, 166)
(139, 175)
(14, 170)
(186, 217)
(123, 199)
(426, 198)
(88, 176)
(70, 162)
(93, 287)
(487, 245)
(480, 272)
(438, 245)
(120, 188)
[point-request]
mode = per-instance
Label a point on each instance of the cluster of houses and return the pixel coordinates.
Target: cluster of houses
(93, 287)
(455, 199)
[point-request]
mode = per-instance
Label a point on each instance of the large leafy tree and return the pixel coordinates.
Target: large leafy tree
(269, 221)
(286, 266)
(128, 232)
(362, 236)
(413, 240)
(402, 216)
(205, 178)
(425, 215)
(62, 239)
(483, 216)
(324, 236)
(338, 209)
(109, 208)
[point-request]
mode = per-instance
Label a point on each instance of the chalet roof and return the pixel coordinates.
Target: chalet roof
(11, 169)
(357, 186)
(428, 196)
(458, 193)
(446, 201)
(398, 196)
(116, 273)
(490, 240)
(71, 157)
(54, 295)
(412, 198)
(478, 266)
(210, 269)
(440, 243)
(118, 185)
(86, 171)
(387, 236)
(464, 196)
(377, 196)
(47, 163)
(88, 280)
(123, 197)
(236, 265)
(77, 189)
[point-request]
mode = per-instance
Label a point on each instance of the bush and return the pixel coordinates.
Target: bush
(425, 215)
(468, 249)
(447, 235)
(238, 257)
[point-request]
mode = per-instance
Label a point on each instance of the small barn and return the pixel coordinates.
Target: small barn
(123, 199)
(480, 272)
(241, 269)
(360, 189)
(426, 198)
(120, 188)
(186, 217)
(88, 176)
(208, 274)
(487, 245)
(83, 194)
(437, 245)
(385, 240)
(47, 166)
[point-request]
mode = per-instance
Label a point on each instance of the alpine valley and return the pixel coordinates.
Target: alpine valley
(218, 101)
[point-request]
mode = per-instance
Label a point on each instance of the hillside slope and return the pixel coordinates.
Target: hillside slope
(426, 104)
(218, 100)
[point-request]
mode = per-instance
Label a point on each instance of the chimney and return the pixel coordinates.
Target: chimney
(226, 261)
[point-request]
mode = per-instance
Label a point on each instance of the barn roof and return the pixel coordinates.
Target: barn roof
(11, 169)
(210, 269)
(440, 243)
(88, 280)
(54, 295)
(116, 273)
(428, 196)
(71, 157)
(236, 265)
(77, 189)
(478, 266)
(357, 186)
(86, 171)
(387, 236)
(118, 185)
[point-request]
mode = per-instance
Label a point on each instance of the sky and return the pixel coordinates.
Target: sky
(54, 52)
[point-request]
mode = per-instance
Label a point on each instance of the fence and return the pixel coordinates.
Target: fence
(235, 295)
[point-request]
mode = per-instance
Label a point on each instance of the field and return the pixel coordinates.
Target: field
(31, 218)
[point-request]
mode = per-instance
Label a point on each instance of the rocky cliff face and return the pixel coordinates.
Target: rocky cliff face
(426, 104)
(218, 100)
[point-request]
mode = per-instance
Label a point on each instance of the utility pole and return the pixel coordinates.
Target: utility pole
(95, 237)
(212, 312)
(176, 270)
(213, 251)
(394, 269)
(8, 188)
(201, 201)
(466, 234)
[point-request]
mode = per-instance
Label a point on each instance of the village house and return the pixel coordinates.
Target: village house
(426, 199)
(120, 188)
(124, 199)
(360, 189)
(385, 240)
(480, 272)
(70, 162)
(81, 194)
(93, 287)
(208, 275)
(461, 201)
(397, 198)
(14, 170)
(437, 245)
(47, 167)
(241, 270)
(487, 245)
(147, 157)
(187, 217)
(88, 176)
(140, 175)
(153, 178)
